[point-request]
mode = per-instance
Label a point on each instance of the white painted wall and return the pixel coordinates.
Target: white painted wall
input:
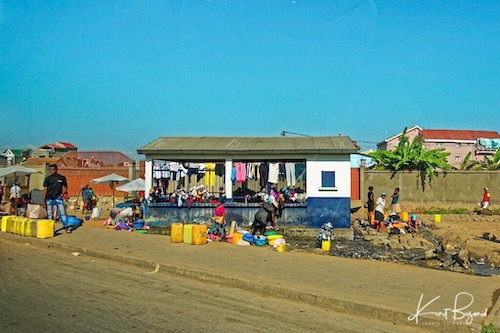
(148, 177)
(342, 179)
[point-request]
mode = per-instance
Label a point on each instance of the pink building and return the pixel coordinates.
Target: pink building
(457, 142)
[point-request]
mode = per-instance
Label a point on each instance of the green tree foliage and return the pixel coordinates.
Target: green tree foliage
(489, 164)
(412, 156)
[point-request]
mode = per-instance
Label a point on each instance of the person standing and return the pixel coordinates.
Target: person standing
(93, 198)
(379, 211)
(395, 208)
(54, 186)
(15, 192)
(86, 198)
(220, 219)
(1, 191)
(485, 204)
(370, 204)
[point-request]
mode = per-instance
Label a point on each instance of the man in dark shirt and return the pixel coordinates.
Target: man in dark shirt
(54, 187)
(370, 205)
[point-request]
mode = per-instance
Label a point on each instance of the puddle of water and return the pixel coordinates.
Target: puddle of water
(484, 270)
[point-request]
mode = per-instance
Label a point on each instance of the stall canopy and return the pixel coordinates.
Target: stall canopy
(112, 180)
(16, 171)
(138, 184)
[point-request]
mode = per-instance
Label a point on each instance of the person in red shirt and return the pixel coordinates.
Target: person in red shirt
(220, 219)
(485, 204)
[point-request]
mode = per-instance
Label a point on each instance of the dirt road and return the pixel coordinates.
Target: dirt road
(49, 291)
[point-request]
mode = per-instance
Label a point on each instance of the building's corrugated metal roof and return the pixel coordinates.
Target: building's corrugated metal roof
(242, 145)
(434, 134)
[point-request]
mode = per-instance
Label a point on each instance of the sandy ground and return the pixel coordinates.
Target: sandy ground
(457, 232)
(469, 235)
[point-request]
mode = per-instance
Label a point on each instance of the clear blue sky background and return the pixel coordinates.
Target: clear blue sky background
(118, 74)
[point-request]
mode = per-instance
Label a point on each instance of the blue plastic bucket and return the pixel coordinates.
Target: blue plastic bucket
(138, 224)
(261, 241)
(73, 220)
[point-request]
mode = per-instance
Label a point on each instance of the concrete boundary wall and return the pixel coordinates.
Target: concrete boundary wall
(450, 189)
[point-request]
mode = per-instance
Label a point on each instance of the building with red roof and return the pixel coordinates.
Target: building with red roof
(458, 143)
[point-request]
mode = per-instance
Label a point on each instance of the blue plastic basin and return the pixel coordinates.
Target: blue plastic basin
(73, 220)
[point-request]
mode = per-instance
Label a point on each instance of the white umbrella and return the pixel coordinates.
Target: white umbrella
(16, 170)
(138, 184)
(111, 179)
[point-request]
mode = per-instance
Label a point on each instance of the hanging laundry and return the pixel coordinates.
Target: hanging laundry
(241, 172)
(290, 174)
(300, 171)
(264, 174)
(250, 170)
(220, 169)
(274, 169)
(282, 171)
(233, 174)
(210, 174)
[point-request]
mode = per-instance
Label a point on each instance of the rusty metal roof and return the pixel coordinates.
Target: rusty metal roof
(222, 145)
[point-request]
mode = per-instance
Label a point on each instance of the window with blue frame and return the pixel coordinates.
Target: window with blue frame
(327, 179)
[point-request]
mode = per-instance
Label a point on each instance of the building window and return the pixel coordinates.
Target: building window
(439, 144)
(458, 145)
(327, 180)
(457, 158)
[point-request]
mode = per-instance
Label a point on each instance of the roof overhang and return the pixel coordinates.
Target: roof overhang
(247, 147)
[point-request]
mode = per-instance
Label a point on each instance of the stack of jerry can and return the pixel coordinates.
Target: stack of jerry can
(23, 226)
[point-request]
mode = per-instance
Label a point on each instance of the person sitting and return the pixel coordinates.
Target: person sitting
(413, 223)
(10, 208)
(127, 214)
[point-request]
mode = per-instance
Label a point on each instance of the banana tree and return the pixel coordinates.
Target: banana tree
(412, 157)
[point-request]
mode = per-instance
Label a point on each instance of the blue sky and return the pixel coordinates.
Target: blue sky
(115, 75)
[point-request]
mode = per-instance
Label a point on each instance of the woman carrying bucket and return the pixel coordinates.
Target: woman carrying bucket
(220, 219)
(485, 203)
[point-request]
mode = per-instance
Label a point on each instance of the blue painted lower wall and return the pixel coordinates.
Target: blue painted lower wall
(315, 213)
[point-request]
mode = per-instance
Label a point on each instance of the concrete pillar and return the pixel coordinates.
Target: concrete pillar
(148, 176)
(132, 171)
(229, 183)
(363, 189)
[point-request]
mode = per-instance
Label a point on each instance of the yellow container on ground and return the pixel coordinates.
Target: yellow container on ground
(188, 233)
(404, 216)
(281, 247)
(272, 238)
(11, 224)
(325, 245)
(237, 237)
(200, 234)
(3, 227)
(176, 232)
(20, 224)
(437, 218)
(30, 228)
(44, 228)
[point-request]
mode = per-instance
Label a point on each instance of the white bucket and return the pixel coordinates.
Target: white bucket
(96, 213)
